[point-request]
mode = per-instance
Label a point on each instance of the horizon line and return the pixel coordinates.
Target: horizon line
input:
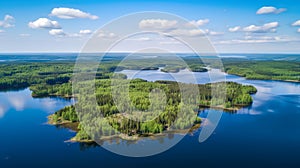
(127, 52)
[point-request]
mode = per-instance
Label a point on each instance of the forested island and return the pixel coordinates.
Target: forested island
(55, 79)
(237, 96)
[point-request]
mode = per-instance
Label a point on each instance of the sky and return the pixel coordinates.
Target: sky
(248, 26)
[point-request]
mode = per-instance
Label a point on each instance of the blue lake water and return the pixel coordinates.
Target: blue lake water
(267, 134)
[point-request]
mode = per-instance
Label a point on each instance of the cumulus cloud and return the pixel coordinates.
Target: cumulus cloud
(258, 39)
(70, 13)
(106, 35)
(143, 39)
(269, 10)
(235, 29)
(194, 32)
(197, 23)
(85, 32)
(57, 32)
(276, 38)
(81, 33)
(213, 33)
(268, 27)
(140, 39)
(44, 23)
(160, 24)
(189, 32)
(297, 23)
(7, 22)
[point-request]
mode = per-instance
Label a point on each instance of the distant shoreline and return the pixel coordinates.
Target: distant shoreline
(277, 80)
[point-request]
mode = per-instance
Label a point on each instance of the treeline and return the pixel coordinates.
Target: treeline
(49, 78)
(264, 70)
(53, 78)
(66, 114)
(46, 79)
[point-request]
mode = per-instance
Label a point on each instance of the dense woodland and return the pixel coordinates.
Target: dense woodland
(55, 79)
(140, 117)
(44, 79)
(264, 70)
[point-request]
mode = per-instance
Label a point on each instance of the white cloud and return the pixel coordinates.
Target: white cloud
(298, 30)
(161, 24)
(144, 39)
(140, 39)
(75, 35)
(2, 31)
(258, 39)
(197, 23)
(263, 38)
(213, 33)
(44, 23)
(106, 35)
(85, 32)
(189, 32)
(194, 32)
(174, 29)
(7, 22)
(270, 10)
(268, 27)
(57, 32)
(297, 23)
(235, 29)
(81, 33)
(70, 13)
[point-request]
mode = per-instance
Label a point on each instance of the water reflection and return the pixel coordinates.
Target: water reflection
(87, 146)
(20, 100)
(3, 110)
(50, 104)
(152, 140)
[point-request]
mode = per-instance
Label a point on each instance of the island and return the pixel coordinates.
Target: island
(130, 128)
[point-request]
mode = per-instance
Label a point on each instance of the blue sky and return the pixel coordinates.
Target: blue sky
(232, 26)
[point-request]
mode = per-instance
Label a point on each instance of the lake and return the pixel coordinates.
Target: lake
(263, 135)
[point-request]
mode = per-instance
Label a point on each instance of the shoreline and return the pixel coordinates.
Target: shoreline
(230, 109)
(74, 127)
(278, 80)
(71, 126)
